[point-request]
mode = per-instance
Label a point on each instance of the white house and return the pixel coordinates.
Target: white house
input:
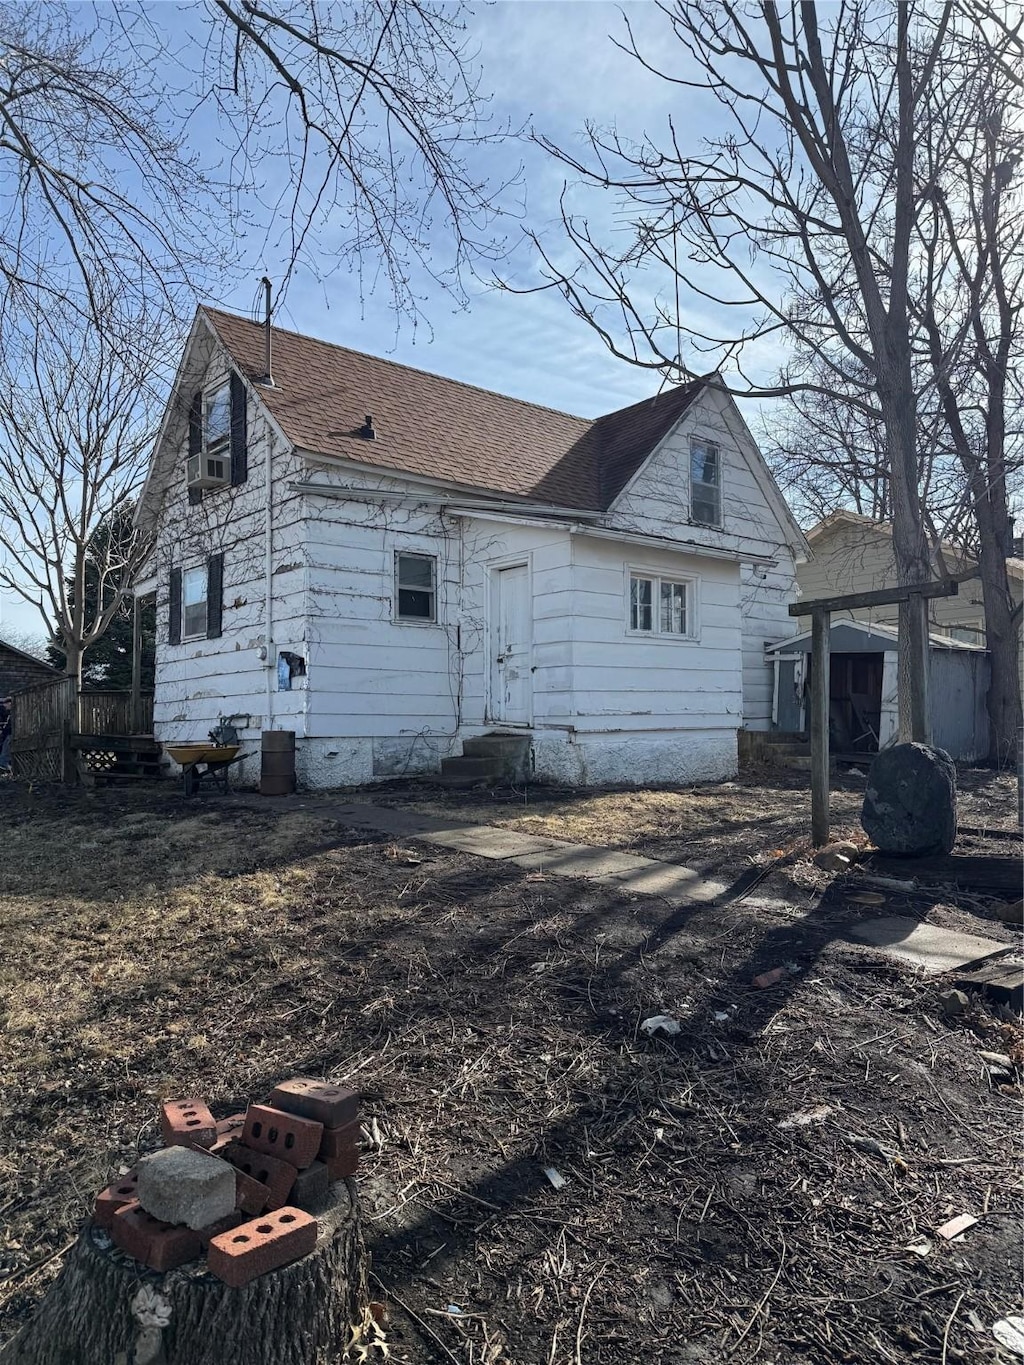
(392, 564)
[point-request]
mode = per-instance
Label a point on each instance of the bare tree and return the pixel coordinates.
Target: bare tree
(799, 217)
(97, 187)
(968, 309)
(78, 409)
(965, 295)
(370, 109)
(359, 114)
(827, 454)
(28, 641)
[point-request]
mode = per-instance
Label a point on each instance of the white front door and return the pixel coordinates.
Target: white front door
(511, 640)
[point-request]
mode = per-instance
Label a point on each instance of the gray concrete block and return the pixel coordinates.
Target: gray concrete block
(179, 1185)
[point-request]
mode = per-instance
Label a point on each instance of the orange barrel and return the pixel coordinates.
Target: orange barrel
(277, 762)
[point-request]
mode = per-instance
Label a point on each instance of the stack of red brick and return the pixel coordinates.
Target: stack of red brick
(284, 1153)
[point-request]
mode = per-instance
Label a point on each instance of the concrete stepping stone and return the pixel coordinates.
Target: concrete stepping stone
(488, 841)
(925, 945)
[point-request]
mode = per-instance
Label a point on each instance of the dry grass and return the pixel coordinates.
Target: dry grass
(491, 1018)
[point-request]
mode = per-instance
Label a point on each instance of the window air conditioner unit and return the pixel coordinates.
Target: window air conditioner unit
(208, 471)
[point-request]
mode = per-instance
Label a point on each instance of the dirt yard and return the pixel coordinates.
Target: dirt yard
(749, 1189)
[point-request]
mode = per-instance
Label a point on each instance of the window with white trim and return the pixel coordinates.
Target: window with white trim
(193, 602)
(216, 416)
(705, 483)
(416, 587)
(661, 606)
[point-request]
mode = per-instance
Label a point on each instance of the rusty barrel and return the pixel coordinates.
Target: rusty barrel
(277, 762)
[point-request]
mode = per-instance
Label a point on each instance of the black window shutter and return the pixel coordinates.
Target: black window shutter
(174, 624)
(195, 440)
(214, 596)
(239, 435)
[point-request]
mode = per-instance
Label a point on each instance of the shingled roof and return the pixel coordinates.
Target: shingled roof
(445, 430)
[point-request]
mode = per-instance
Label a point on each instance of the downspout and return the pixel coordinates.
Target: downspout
(270, 663)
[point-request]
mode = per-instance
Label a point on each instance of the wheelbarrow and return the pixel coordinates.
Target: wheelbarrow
(204, 762)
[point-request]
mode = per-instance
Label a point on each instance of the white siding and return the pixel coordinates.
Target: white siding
(626, 681)
(383, 697)
(198, 681)
(765, 595)
(658, 503)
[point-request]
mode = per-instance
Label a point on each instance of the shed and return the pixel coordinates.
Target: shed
(862, 690)
(18, 670)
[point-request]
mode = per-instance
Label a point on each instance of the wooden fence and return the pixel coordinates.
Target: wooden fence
(46, 716)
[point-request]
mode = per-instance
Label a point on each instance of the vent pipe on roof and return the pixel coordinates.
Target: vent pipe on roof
(366, 431)
(268, 374)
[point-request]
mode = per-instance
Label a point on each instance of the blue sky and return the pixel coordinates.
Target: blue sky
(551, 64)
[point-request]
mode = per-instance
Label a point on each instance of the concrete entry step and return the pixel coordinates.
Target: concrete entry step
(471, 766)
(511, 753)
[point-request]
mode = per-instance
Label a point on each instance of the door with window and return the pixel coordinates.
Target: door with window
(511, 646)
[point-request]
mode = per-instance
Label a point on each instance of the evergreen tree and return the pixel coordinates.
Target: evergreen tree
(108, 661)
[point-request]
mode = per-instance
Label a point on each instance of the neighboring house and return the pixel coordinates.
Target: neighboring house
(390, 563)
(853, 553)
(18, 670)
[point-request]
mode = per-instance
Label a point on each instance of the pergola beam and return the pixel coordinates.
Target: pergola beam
(879, 597)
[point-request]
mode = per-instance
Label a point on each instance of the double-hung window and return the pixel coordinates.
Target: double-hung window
(416, 587)
(661, 606)
(193, 602)
(705, 483)
(216, 417)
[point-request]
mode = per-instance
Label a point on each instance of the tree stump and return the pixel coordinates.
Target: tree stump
(107, 1309)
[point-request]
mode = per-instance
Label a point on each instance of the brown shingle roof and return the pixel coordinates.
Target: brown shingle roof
(443, 429)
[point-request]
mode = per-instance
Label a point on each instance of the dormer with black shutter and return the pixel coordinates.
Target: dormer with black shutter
(217, 438)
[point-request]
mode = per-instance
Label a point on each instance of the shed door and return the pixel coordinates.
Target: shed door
(511, 640)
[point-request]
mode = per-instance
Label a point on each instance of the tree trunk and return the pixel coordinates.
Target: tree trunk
(1002, 635)
(74, 658)
(913, 563)
(107, 1309)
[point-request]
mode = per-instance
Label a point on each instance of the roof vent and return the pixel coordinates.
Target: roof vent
(366, 431)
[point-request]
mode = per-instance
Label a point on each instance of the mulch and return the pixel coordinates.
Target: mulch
(745, 1189)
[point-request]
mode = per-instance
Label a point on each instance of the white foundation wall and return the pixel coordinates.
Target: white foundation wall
(200, 680)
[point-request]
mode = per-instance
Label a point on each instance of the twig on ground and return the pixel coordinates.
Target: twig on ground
(416, 1318)
(583, 1314)
(949, 1324)
(760, 1307)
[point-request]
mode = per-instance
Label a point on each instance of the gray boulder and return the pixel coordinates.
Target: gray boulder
(910, 802)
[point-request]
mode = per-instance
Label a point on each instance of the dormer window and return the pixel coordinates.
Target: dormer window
(705, 483)
(217, 441)
(217, 417)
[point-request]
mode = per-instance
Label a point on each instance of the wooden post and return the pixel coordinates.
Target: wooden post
(136, 724)
(819, 726)
(915, 709)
